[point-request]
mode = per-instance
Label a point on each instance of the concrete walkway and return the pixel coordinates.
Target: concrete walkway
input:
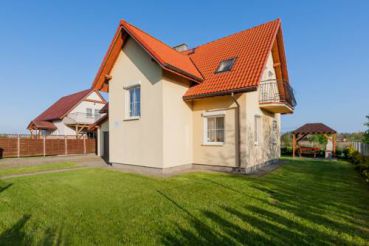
(43, 172)
(80, 160)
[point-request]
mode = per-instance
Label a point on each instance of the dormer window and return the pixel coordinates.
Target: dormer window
(225, 65)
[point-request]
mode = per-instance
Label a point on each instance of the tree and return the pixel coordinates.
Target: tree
(318, 138)
(286, 139)
(366, 133)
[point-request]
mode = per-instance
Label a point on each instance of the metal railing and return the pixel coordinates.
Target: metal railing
(82, 118)
(276, 91)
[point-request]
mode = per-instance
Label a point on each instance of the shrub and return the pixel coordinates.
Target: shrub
(286, 151)
(365, 174)
(361, 162)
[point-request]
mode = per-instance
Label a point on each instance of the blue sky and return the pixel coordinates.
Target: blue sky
(52, 48)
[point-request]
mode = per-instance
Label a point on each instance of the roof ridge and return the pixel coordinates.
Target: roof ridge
(75, 93)
(122, 20)
(232, 34)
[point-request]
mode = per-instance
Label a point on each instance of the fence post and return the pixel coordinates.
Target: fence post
(84, 145)
(18, 147)
(44, 140)
(65, 145)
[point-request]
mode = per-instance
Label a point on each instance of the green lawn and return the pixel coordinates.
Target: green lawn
(36, 168)
(303, 202)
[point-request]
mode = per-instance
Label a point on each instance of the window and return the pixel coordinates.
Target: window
(89, 112)
(133, 102)
(225, 65)
(257, 133)
(214, 129)
(97, 112)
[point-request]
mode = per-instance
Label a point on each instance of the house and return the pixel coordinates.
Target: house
(70, 115)
(217, 106)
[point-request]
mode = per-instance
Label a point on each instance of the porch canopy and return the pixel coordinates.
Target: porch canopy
(313, 128)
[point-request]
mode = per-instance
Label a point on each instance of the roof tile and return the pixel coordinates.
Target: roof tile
(167, 56)
(311, 128)
(250, 47)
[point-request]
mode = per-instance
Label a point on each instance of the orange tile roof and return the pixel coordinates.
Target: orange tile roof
(168, 57)
(250, 48)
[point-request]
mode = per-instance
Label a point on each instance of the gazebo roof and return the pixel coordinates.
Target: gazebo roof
(314, 128)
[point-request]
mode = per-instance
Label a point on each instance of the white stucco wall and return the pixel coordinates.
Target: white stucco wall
(136, 142)
(219, 155)
(268, 148)
(177, 122)
(82, 106)
(269, 72)
(162, 136)
(62, 129)
(94, 96)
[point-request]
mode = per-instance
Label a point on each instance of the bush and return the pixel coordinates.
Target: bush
(365, 174)
(340, 154)
(286, 151)
(361, 162)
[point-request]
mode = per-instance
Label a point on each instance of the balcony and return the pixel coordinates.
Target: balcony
(82, 118)
(276, 96)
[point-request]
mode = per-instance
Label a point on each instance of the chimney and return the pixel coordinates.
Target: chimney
(181, 47)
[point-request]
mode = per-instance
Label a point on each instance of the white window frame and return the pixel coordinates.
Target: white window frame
(96, 112)
(89, 115)
(127, 95)
(257, 129)
(206, 116)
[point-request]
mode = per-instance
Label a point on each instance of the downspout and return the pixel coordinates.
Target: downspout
(238, 133)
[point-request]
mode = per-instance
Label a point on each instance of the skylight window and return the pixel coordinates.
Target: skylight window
(225, 65)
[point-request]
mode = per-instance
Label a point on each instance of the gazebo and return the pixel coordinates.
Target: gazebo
(313, 128)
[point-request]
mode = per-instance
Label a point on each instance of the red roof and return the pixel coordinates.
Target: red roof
(250, 48)
(105, 109)
(314, 128)
(58, 110)
(39, 124)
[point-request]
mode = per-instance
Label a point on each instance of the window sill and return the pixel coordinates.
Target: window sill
(132, 118)
(213, 144)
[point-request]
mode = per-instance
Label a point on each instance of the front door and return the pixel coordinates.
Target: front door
(106, 146)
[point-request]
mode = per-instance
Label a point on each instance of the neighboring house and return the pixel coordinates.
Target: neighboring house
(70, 115)
(215, 106)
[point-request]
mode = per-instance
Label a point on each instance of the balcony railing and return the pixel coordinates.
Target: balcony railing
(276, 91)
(82, 118)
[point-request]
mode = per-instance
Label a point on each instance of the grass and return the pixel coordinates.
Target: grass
(302, 203)
(36, 168)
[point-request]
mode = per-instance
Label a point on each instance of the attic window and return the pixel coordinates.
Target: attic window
(225, 65)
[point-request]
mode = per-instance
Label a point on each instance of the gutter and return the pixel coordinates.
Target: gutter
(238, 133)
(221, 93)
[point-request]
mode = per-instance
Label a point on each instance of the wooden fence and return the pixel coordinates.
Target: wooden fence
(362, 148)
(25, 146)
